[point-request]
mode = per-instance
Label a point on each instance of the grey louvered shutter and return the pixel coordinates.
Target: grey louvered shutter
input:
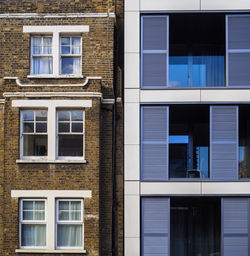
(155, 226)
(238, 50)
(224, 142)
(235, 212)
(154, 51)
(154, 143)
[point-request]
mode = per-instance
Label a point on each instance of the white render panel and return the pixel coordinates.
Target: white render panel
(225, 95)
(170, 188)
(226, 188)
(132, 162)
(132, 123)
(51, 193)
(132, 35)
(132, 246)
(170, 96)
(131, 95)
(53, 103)
(57, 29)
(225, 5)
(132, 216)
(169, 5)
(131, 188)
(131, 5)
(132, 70)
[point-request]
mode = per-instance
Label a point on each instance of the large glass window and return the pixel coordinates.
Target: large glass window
(183, 50)
(70, 133)
(41, 52)
(195, 226)
(188, 141)
(34, 133)
(32, 223)
(69, 223)
(196, 50)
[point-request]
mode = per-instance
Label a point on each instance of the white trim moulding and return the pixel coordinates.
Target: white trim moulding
(53, 94)
(2, 101)
(108, 101)
(56, 29)
(49, 251)
(18, 82)
(51, 193)
(56, 15)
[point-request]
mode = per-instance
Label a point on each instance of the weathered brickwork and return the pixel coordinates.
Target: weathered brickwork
(103, 212)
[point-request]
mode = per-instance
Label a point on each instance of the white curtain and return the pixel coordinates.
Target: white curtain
(33, 235)
(69, 235)
(42, 65)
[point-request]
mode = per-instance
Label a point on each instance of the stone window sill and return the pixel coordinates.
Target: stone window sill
(55, 76)
(46, 161)
(49, 251)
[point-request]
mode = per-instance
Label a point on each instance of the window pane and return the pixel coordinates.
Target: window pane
(77, 127)
(42, 65)
(63, 205)
(76, 50)
(76, 41)
(47, 41)
(41, 127)
(39, 215)
(65, 50)
(64, 115)
(64, 127)
(28, 127)
(27, 215)
(36, 41)
(69, 235)
(28, 115)
(39, 205)
(75, 215)
(70, 65)
(75, 205)
(77, 115)
(41, 115)
(63, 215)
(35, 145)
(65, 41)
(33, 235)
(70, 145)
(36, 50)
(47, 50)
(28, 205)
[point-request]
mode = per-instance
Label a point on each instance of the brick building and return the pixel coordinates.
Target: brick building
(61, 180)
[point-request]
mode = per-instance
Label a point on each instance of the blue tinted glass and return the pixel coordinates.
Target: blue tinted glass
(196, 71)
(178, 139)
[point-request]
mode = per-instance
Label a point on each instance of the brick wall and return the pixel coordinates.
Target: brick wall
(96, 174)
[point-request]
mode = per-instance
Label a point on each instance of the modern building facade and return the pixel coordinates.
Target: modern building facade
(59, 120)
(187, 112)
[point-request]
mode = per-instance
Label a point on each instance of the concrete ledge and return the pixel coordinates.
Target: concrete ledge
(71, 251)
(38, 161)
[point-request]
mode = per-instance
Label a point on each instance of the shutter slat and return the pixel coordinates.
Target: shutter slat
(224, 142)
(154, 51)
(238, 28)
(155, 226)
(154, 143)
(235, 226)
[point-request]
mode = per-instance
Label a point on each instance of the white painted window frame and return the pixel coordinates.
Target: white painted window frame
(51, 196)
(69, 133)
(56, 32)
(65, 222)
(21, 221)
(71, 55)
(52, 106)
(39, 55)
(34, 133)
